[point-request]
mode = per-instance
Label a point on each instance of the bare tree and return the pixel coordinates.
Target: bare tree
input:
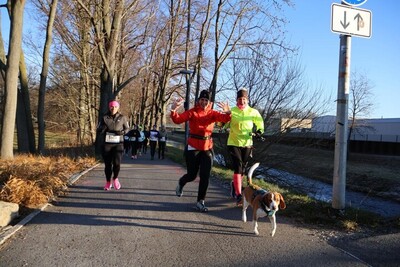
(14, 53)
(244, 24)
(361, 103)
(3, 62)
(134, 50)
(276, 86)
(25, 129)
(43, 76)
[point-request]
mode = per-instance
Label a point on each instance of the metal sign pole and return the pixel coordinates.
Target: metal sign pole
(189, 78)
(187, 101)
(339, 168)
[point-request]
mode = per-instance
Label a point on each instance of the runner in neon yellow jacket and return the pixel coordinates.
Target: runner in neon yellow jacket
(245, 120)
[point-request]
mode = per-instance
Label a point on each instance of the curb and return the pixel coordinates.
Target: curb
(11, 230)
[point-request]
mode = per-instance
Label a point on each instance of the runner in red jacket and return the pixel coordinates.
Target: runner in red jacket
(199, 152)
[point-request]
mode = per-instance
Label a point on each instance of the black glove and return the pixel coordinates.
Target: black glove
(259, 135)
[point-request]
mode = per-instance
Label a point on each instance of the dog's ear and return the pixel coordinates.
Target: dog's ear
(282, 204)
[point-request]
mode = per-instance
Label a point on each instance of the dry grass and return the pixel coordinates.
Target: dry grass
(32, 181)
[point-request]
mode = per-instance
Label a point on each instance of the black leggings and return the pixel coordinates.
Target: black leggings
(161, 149)
(198, 160)
(112, 156)
(240, 157)
(153, 145)
(135, 147)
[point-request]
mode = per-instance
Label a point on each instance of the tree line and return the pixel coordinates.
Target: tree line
(143, 53)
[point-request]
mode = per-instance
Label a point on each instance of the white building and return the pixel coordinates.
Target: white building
(383, 130)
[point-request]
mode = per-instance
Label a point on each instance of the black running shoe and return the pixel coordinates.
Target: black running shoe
(201, 206)
(239, 200)
(179, 190)
(233, 194)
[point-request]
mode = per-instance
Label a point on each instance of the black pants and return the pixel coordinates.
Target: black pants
(240, 157)
(198, 161)
(153, 145)
(127, 146)
(112, 156)
(161, 149)
(135, 146)
(144, 148)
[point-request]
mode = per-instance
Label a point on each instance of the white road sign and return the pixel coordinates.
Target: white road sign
(351, 21)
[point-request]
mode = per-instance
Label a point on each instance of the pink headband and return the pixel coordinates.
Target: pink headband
(113, 104)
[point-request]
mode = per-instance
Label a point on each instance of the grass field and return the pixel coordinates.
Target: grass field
(377, 175)
(374, 174)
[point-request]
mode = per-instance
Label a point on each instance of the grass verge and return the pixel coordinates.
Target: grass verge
(306, 210)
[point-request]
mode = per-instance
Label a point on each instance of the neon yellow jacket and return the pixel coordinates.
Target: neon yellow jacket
(241, 126)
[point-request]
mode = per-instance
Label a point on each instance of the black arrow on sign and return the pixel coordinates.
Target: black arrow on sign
(344, 24)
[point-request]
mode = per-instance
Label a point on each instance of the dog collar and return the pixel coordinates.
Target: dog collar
(264, 208)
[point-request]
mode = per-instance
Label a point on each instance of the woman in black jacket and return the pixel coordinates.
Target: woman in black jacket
(113, 126)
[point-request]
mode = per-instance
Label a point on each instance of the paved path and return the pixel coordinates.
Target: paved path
(145, 224)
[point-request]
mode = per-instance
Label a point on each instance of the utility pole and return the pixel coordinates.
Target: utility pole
(340, 159)
(188, 73)
(189, 77)
(348, 21)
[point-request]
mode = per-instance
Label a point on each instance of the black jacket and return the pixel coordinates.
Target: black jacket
(117, 124)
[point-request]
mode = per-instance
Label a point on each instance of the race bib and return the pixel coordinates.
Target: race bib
(162, 139)
(133, 139)
(112, 138)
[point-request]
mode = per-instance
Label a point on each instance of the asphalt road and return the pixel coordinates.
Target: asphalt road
(145, 224)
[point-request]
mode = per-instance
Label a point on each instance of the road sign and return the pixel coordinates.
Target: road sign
(354, 2)
(351, 21)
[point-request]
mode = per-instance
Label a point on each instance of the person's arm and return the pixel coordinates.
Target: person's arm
(223, 116)
(175, 116)
(225, 107)
(102, 127)
(259, 122)
(177, 104)
(126, 126)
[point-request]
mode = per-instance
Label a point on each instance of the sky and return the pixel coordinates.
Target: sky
(378, 57)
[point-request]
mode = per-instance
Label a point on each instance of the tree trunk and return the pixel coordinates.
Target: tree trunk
(43, 77)
(14, 51)
(2, 54)
(3, 63)
(202, 39)
(25, 129)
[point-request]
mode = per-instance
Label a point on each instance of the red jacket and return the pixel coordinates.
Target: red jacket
(201, 124)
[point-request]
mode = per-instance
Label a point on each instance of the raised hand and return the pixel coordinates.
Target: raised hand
(224, 106)
(177, 103)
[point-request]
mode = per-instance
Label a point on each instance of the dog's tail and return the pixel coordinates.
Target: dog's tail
(250, 173)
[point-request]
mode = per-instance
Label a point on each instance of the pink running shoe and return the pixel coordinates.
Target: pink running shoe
(117, 185)
(107, 186)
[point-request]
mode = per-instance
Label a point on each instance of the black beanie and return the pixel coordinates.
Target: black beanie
(204, 94)
(242, 93)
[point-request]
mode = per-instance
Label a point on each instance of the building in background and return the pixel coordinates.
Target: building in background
(380, 130)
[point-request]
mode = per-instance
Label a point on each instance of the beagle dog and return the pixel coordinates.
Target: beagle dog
(263, 203)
